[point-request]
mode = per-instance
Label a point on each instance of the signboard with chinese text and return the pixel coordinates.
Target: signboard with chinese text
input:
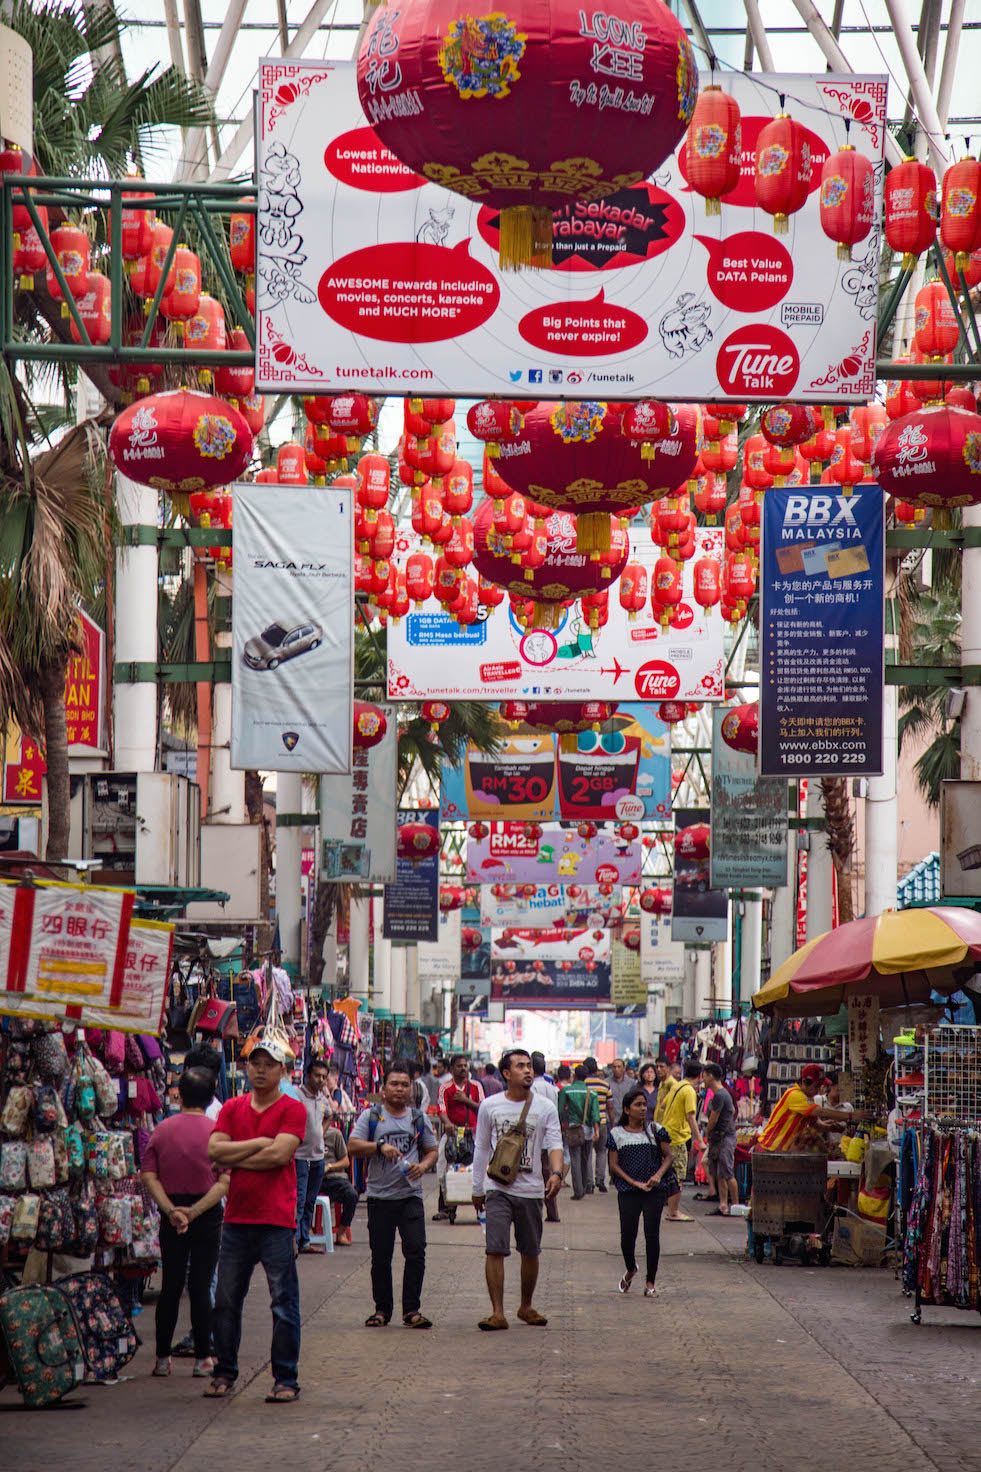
(357, 814)
(749, 819)
(146, 975)
(70, 943)
(85, 688)
(370, 278)
(822, 632)
(24, 768)
(863, 1031)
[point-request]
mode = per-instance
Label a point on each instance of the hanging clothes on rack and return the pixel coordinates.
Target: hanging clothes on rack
(942, 1245)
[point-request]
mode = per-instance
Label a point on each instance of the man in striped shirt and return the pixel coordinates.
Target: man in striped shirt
(797, 1108)
(598, 1084)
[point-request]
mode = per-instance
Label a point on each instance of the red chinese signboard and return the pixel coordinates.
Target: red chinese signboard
(24, 764)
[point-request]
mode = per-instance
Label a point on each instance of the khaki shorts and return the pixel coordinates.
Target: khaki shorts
(679, 1157)
(524, 1213)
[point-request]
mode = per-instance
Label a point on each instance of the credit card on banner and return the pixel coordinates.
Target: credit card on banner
(847, 562)
(815, 560)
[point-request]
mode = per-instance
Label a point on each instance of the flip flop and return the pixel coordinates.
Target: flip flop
(283, 1395)
(533, 1317)
(681, 1217)
(219, 1389)
(699, 1196)
(624, 1284)
(417, 1321)
(375, 1321)
(717, 1212)
(492, 1322)
(650, 1292)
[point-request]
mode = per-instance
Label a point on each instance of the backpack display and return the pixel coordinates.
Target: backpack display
(104, 1329)
(43, 1347)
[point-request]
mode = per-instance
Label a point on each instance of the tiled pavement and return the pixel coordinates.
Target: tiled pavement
(734, 1366)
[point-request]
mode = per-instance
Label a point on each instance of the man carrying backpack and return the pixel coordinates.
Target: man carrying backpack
(399, 1147)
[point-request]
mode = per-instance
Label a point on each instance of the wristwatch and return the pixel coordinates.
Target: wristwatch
(378, 1146)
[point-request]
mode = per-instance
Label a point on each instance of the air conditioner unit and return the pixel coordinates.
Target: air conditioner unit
(144, 827)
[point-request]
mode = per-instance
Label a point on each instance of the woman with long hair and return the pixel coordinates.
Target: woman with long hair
(647, 1080)
(644, 1176)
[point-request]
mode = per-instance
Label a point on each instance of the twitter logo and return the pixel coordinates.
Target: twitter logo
(515, 375)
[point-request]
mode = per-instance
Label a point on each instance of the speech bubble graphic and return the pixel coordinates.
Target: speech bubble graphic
(583, 329)
(407, 292)
(633, 225)
(360, 158)
(744, 194)
(748, 271)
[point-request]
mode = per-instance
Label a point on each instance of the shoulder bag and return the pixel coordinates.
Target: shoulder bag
(505, 1162)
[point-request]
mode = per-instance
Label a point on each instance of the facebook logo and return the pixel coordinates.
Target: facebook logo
(534, 375)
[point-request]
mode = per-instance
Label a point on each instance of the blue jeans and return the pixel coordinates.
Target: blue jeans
(242, 1248)
(309, 1176)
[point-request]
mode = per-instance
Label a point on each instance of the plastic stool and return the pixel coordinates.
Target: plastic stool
(321, 1232)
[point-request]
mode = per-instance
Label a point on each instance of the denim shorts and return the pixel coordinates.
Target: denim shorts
(524, 1213)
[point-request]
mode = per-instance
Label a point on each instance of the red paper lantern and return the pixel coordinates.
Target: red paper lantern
(671, 712)
(160, 237)
(960, 210)
(370, 724)
(960, 397)
(493, 420)
(562, 575)
(713, 148)
(291, 465)
(436, 712)
(182, 301)
(755, 473)
(137, 225)
(417, 841)
(568, 718)
(867, 423)
(646, 422)
(936, 328)
(95, 310)
(241, 242)
(786, 424)
(707, 581)
(633, 589)
(478, 831)
(575, 457)
(501, 108)
(932, 457)
(419, 577)
(374, 477)
(181, 441)
(354, 414)
(969, 269)
(693, 842)
(847, 199)
(740, 728)
(711, 497)
(846, 467)
(71, 249)
(236, 383)
(783, 169)
(910, 209)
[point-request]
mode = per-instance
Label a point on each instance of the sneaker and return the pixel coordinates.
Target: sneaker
(203, 1369)
(161, 1367)
(601, 1188)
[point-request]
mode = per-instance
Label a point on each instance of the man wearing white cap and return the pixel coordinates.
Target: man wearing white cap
(256, 1137)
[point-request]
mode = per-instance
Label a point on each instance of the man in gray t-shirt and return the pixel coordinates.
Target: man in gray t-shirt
(399, 1147)
(720, 1129)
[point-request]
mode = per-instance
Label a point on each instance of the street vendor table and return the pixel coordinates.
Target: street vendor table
(789, 1200)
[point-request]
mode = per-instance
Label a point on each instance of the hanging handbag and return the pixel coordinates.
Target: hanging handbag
(217, 1018)
(505, 1162)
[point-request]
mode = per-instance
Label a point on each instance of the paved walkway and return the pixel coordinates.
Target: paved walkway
(734, 1366)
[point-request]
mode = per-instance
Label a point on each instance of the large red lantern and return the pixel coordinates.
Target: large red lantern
(960, 210)
(910, 209)
(867, 423)
(786, 424)
(417, 841)
(509, 109)
(71, 249)
(783, 169)
(370, 724)
(436, 712)
(353, 414)
(181, 441)
(94, 308)
(936, 328)
(563, 573)
(575, 457)
(932, 457)
(693, 842)
(713, 148)
(493, 420)
(740, 728)
(847, 199)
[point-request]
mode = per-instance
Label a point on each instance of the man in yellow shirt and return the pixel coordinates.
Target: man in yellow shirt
(680, 1121)
(796, 1109)
(666, 1085)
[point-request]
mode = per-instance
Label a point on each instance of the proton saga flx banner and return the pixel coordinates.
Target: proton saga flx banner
(372, 278)
(622, 772)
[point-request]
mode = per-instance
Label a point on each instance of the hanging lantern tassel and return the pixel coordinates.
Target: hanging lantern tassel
(547, 615)
(526, 238)
(568, 743)
(593, 532)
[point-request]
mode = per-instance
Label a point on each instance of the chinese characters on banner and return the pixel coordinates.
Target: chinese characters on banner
(146, 974)
(749, 819)
(863, 1031)
(24, 765)
(357, 814)
(412, 902)
(23, 768)
(821, 633)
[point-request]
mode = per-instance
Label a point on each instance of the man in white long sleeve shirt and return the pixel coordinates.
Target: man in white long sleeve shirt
(519, 1204)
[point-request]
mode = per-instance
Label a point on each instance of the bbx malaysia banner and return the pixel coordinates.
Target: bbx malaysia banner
(509, 852)
(431, 656)
(293, 628)
(371, 278)
(357, 814)
(622, 772)
(412, 902)
(822, 633)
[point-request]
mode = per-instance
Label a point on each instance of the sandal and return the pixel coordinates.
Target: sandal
(493, 1322)
(700, 1196)
(283, 1395)
(416, 1321)
(533, 1317)
(219, 1388)
(161, 1369)
(717, 1212)
(624, 1284)
(650, 1292)
(375, 1321)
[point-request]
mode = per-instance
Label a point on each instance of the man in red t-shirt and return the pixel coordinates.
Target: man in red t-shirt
(256, 1137)
(458, 1100)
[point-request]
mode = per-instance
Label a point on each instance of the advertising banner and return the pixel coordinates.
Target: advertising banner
(749, 819)
(370, 277)
(70, 944)
(431, 655)
(293, 628)
(441, 962)
(473, 987)
(699, 913)
(526, 946)
(85, 691)
(537, 906)
(662, 960)
(821, 633)
(146, 975)
(622, 771)
(357, 814)
(509, 853)
(23, 768)
(960, 840)
(627, 985)
(412, 902)
(544, 981)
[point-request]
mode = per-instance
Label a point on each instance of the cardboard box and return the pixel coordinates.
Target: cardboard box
(857, 1243)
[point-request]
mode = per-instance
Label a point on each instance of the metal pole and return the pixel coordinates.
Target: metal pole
(819, 867)
(135, 705)
(926, 108)
(948, 66)
(174, 35)
(195, 148)
(836, 59)
(227, 784)
(358, 978)
(881, 807)
(289, 844)
(758, 32)
(971, 650)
